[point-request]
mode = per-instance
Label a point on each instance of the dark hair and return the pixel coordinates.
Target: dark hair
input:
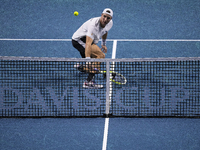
(108, 11)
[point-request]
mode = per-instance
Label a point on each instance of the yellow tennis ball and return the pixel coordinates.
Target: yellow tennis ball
(76, 13)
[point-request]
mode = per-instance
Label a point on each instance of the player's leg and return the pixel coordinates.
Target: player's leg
(88, 83)
(79, 47)
(95, 52)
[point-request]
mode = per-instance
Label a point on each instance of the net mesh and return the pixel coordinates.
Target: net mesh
(47, 88)
(54, 88)
(158, 88)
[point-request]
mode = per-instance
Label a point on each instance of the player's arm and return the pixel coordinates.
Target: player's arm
(105, 36)
(103, 43)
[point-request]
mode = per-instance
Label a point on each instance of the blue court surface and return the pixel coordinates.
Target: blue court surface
(142, 29)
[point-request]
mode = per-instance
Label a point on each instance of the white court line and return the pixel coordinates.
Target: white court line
(122, 40)
(105, 137)
(59, 40)
(156, 40)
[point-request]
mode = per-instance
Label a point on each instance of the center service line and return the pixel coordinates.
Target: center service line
(110, 95)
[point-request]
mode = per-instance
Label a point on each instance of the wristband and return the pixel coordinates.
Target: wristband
(103, 42)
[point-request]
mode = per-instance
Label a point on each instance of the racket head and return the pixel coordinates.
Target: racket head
(117, 78)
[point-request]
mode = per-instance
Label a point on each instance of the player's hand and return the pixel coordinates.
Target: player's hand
(104, 48)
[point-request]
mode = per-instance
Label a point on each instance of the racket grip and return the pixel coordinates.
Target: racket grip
(104, 75)
(97, 70)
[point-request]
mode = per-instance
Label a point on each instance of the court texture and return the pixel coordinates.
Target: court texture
(143, 29)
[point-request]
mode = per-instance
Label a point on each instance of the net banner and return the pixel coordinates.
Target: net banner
(158, 88)
(54, 87)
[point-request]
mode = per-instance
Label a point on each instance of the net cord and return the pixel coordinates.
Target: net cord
(98, 60)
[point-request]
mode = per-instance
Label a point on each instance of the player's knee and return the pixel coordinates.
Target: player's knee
(102, 55)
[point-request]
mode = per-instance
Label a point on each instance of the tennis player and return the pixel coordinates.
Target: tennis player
(85, 40)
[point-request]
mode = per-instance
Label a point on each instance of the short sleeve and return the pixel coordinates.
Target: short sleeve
(90, 31)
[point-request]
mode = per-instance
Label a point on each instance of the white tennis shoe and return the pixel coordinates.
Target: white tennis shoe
(92, 84)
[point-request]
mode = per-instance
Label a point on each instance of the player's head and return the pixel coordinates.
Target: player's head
(106, 16)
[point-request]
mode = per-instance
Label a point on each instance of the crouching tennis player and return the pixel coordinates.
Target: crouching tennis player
(85, 40)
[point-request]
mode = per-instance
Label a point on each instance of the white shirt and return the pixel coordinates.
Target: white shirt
(92, 29)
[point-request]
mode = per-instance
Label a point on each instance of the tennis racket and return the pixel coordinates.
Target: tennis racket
(114, 76)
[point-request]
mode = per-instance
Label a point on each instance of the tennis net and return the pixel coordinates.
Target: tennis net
(52, 87)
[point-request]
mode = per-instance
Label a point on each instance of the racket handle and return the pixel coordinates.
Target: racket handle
(104, 75)
(97, 70)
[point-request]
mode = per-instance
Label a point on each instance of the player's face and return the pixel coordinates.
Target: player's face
(105, 19)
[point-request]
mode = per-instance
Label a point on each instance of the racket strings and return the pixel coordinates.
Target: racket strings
(118, 78)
